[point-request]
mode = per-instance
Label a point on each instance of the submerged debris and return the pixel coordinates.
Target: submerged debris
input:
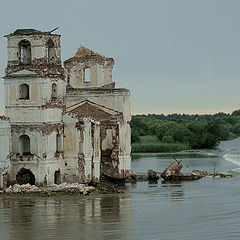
(173, 173)
(152, 175)
(210, 175)
(134, 177)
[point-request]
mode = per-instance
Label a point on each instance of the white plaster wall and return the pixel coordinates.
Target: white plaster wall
(99, 75)
(107, 142)
(71, 137)
(124, 147)
(34, 115)
(87, 148)
(73, 77)
(37, 91)
(37, 142)
(30, 110)
(61, 89)
(97, 152)
(13, 49)
(71, 146)
(41, 170)
(51, 145)
(5, 141)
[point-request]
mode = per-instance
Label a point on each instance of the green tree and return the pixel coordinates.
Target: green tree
(236, 128)
(168, 139)
(236, 113)
(135, 138)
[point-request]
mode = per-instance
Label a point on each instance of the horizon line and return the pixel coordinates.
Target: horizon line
(188, 112)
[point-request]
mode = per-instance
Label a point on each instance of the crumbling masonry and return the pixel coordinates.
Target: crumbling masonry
(61, 124)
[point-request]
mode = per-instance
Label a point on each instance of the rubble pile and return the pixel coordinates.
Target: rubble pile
(173, 173)
(210, 175)
(61, 189)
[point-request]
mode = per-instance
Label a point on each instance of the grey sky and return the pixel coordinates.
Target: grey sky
(174, 55)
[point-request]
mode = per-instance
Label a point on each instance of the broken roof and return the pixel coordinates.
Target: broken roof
(96, 111)
(85, 53)
(30, 31)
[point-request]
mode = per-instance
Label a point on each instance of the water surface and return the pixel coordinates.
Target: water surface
(203, 209)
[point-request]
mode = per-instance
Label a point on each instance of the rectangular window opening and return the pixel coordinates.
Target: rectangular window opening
(58, 143)
(87, 77)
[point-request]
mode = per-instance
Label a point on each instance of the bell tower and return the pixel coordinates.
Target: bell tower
(34, 75)
(34, 92)
(32, 49)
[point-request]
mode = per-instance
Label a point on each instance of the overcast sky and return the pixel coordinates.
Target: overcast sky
(173, 55)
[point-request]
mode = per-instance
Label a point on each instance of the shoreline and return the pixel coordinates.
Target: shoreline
(53, 190)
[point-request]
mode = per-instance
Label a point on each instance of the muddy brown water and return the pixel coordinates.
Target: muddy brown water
(203, 209)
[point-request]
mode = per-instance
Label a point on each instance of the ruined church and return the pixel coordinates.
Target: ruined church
(62, 123)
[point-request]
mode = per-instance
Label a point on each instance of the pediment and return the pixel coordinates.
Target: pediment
(96, 111)
(24, 72)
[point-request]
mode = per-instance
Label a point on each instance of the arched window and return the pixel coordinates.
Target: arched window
(25, 56)
(58, 143)
(50, 52)
(54, 90)
(24, 145)
(24, 91)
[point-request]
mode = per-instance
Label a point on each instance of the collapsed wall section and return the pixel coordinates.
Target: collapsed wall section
(81, 148)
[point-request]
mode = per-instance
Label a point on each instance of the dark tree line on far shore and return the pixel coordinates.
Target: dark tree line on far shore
(198, 131)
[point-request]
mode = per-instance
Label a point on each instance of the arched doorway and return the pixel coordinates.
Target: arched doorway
(25, 176)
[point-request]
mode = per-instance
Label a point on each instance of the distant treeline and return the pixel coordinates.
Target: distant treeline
(185, 116)
(195, 131)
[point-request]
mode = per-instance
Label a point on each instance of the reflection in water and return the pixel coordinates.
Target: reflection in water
(88, 217)
(203, 209)
(19, 214)
(174, 190)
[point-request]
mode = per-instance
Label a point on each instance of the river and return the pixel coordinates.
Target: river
(204, 209)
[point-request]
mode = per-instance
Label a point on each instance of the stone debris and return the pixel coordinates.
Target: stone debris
(203, 173)
(61, 189)
(173, 170)
(173, 173)
(134, 177)
(16, 188)
(152, 175)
